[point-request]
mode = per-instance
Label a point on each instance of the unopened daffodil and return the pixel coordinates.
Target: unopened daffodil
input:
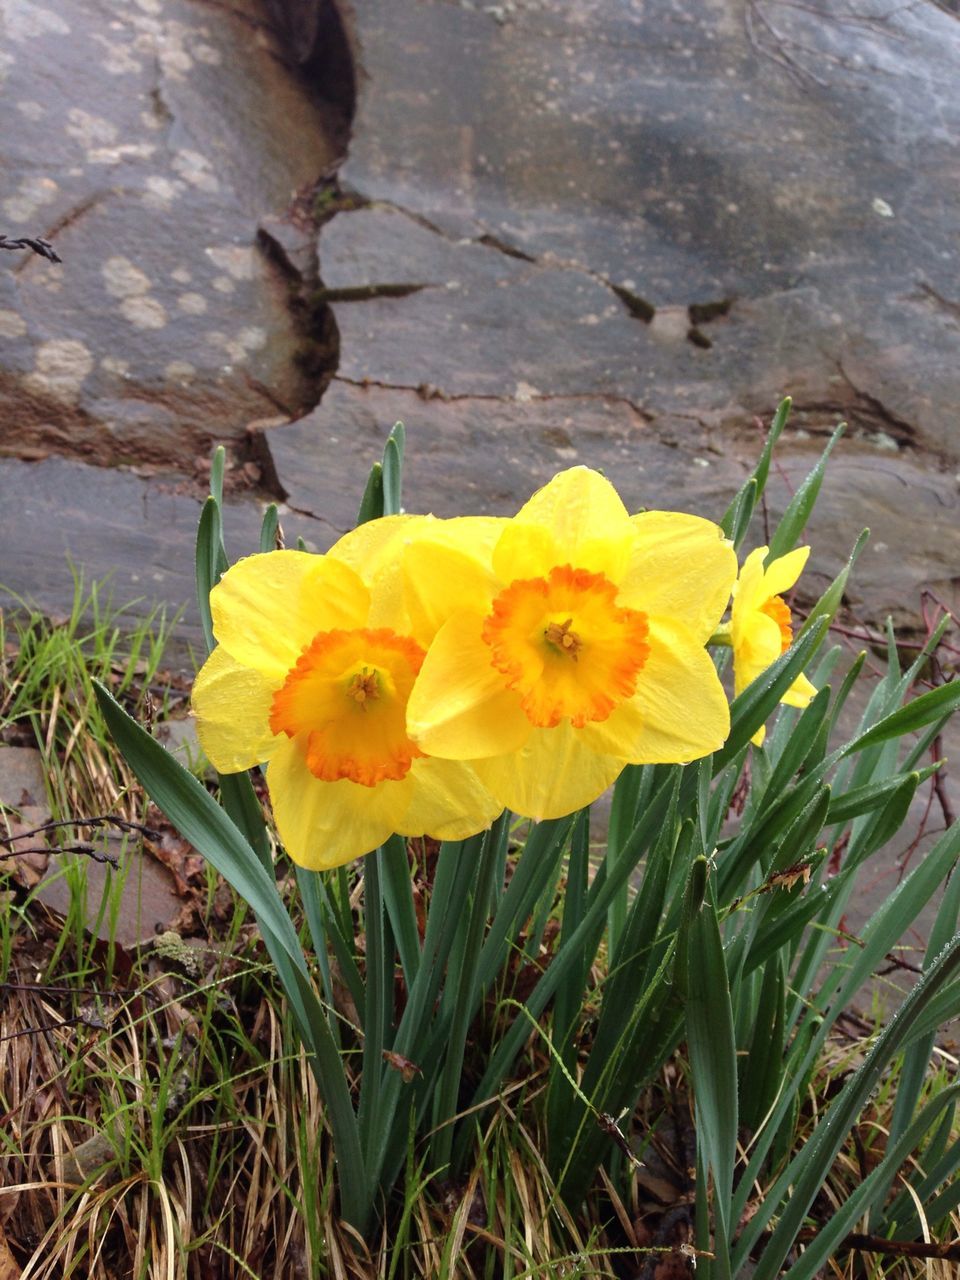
(570, 642)
(311, 675)
(761, 626)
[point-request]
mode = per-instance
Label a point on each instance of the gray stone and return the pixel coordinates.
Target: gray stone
(22, 783)
(139, 899)
(136, 143)
(136, 534)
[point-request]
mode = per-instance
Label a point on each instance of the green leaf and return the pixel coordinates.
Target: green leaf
(736, 518)
(758, 701)
(398, 897)
(713, 1065)
(799, 1183)
(692, 903)
(930, 706)
(211, 563)
(269, 528)
(780, 418)
(801, 504)
(832, 598)
(822, 1248)
(217, 466)
(392, 478)
(201, 821)
(239, 798)
(762, 1063)
(371, 504)
(865, 799)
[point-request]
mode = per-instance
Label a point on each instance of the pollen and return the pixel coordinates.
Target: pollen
(345, 701)
(364, 687)
(562, 638)
(777, 609)
(565, 646)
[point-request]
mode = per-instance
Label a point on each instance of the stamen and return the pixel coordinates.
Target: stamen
(561, 637)
(364, 687)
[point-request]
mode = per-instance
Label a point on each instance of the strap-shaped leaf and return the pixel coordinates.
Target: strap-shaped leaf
(211, 563)
(201, 821)
(930, 706)
(371, 504)
(758, 700)
(269, 528)
(713, 1065)
(801, 504)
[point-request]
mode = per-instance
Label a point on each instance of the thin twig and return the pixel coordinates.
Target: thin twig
(87, 850)
(37, 243)
(120, 823)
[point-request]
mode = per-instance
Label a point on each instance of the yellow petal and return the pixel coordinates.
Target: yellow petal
(525, 550)
(371, 546)
(442, 577)
(748, 590)
(756, 644)
(460, 708)
(325, 824)
(781, 574)
(553, 774)
(679, 711)
(681, 568)
(232, 706)
(586, 518)
(267, 607)
(800, 692)
(448, 801)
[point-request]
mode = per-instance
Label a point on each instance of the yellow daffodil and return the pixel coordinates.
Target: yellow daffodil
(311, 674)
(761, 628)
(570, 642)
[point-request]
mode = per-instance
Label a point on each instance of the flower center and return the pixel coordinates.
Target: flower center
(565, 646)
(779, 611)
(562, 638)
(364, 687)
(346, 702)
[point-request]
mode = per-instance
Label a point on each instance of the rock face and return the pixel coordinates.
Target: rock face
(136, 141)
(618, 233)
(613, 233)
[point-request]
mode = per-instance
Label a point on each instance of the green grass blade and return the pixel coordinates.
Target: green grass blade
(379, 1001)
(916, 1060)
(795, 1189)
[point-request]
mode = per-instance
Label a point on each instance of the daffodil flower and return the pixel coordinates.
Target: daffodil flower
(311, 674)
(761, 628)
(573, 646)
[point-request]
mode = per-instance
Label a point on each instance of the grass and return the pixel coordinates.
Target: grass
(155, 1128)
